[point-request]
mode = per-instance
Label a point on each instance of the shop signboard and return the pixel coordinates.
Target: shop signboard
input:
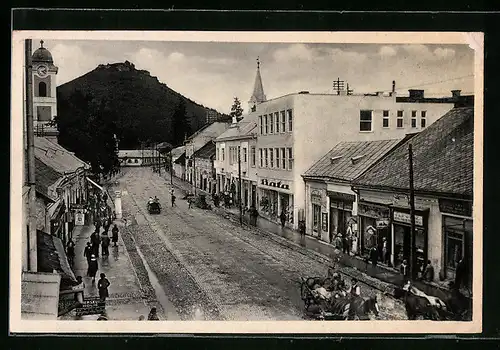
(382, 223)
(341, 196)
(276, 184)
(406, 218)
(91, 306)
(79, 219)
(373, 210)
(324, 222)
(456, 207)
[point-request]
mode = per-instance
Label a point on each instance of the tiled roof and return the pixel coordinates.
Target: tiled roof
(56, 156)
(45, 177)
(207, 151)
(211, 129)
(348, 160)
(442, 158)
(137, 153)
(177, 152)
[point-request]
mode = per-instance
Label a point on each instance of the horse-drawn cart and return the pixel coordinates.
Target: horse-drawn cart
(328, 299)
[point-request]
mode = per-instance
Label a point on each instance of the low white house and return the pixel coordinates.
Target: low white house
(138, 157)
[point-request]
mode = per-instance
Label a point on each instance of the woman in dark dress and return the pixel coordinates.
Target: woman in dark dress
(93, 267)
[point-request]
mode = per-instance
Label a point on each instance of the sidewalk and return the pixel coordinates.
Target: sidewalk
(380, 277)
(125, 300)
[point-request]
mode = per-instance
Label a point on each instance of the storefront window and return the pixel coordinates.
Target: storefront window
(456, 230)
(370, 233)
(316, 217)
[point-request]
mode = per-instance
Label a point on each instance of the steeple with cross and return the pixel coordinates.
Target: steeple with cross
(258, 95)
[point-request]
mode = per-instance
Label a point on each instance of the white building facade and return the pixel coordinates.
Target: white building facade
(295, 130)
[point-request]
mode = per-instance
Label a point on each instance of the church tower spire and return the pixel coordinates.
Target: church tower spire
(258, 95)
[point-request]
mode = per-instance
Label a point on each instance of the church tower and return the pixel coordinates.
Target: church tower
(44, 91)
(258, 91)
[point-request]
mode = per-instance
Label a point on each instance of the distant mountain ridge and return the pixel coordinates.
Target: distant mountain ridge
(143, 107)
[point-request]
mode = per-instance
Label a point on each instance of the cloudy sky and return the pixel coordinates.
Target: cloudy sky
(212, 73)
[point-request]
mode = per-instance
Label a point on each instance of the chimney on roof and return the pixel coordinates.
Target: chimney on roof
(455, 93)
(393, 86)
(416, 94)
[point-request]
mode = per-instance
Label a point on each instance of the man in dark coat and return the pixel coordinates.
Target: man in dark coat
(70, 251)
(105, 244)
(94, 238)
(102, 286)
(114, 237)
(153, 316)
(460, 274)
(374, 256)
(283, 218)
(93, 267)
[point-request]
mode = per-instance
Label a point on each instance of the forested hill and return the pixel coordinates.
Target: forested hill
(132, 103)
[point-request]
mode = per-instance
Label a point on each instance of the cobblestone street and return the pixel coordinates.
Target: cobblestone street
(209, 268)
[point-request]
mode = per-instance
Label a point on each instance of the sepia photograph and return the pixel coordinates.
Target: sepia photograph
(291, 182)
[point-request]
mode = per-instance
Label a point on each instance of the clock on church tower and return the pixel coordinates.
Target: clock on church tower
(44, 90)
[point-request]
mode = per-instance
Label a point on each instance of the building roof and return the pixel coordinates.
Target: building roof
(206, 152)
(56, 156)
(137, 153)
(207, 130)
(258, 89)
(177, 152)
(181, 159)
(45, 177)
(242, 129)
(348, 160)
(442, 159)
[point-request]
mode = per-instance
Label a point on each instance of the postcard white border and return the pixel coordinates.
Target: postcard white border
(475, 40)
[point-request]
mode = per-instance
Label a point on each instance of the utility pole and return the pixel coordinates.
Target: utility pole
(171, 168)
(194, 174)
(413, 260)
(30, 138)
(239, 180)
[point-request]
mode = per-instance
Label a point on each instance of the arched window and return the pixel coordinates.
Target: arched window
(42, 89)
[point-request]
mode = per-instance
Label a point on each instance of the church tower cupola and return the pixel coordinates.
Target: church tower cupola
(258, 95)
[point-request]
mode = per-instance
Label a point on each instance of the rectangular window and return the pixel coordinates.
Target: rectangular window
(252, 156)
(222, 150)
(290, 158)
(290, 120)
(283, 159)
(413, 122)
(399, 120)
(217, 154)
(385, 119)
(260, 125)
(266, 157)
(413, 114)
(271, 158)
(316, 217)
(261, 158)
(277, 151)
(277, 122)
(423, 120)
(365, 120)
(283, 121)
(271, 124)
(244, 155)
(266, 126)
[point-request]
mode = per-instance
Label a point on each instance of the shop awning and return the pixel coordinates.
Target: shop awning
(95, 184)
(51, 257)
(40, 295)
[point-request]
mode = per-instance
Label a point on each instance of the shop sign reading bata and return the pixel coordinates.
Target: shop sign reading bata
(406, 218)
(276, 184)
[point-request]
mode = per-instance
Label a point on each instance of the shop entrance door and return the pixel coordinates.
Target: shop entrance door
(401, 244)
(254, 194)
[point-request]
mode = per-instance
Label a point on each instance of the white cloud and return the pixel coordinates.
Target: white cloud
(176, 57)
(387, 51)
(444, 53)
(347, 56)
(294, 52)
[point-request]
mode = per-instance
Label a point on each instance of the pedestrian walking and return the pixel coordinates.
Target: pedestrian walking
(190, 202)
(102, 286)
(384, 250)
(70, 251)
(374, 256)
(460, 274)
(172, 197)
(428, 273)
(283, 218)
(87, 253)
(403, 268)
(153, 316)
(105, 244)
(93, 267)
(94, 238)
(114, 236)
(345, 244)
